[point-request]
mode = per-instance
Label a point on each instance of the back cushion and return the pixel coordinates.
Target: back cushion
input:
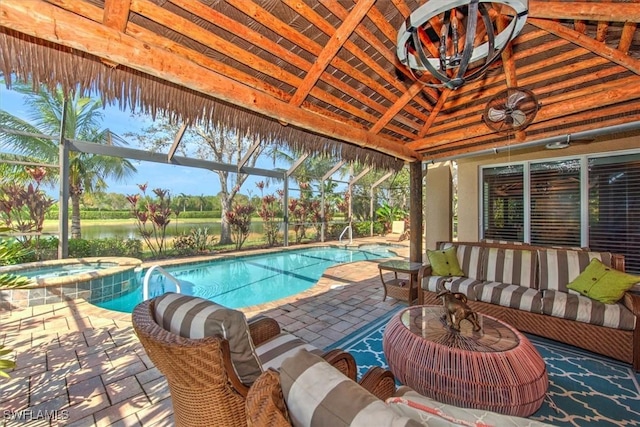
(511, 266)
(317, 394)
(194, 317)
(558, 267)
(469, 259)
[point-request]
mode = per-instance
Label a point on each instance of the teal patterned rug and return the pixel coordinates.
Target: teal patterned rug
(585, 389)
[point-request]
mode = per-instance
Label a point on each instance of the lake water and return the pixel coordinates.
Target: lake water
(122, 230)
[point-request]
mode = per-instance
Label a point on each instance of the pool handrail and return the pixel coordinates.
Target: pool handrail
(147, 277)
(348, 227)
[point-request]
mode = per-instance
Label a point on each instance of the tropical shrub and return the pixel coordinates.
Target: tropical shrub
(198, 240)
(152, 218)
(239, 219)
(270, 211)
(386, 214)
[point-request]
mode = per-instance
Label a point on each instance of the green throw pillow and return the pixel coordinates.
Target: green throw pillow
(602, 283)
(444, 262)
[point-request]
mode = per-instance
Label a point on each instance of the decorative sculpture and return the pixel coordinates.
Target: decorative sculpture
(455, 305)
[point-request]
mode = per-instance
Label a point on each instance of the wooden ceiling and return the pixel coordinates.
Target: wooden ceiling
(329, 67)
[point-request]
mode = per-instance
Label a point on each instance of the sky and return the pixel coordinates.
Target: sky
(177, 179)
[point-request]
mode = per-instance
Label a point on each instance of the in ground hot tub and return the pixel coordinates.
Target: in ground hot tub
(94, 279)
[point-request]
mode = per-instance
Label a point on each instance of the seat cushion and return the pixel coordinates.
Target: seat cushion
(513, 266)
(462, 285)
(275, 350)
(587, 310)
(194, 317)
(557, 267)
(506, 295)
(317, 394)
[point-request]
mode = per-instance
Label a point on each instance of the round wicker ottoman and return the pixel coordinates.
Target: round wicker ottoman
(496, 368)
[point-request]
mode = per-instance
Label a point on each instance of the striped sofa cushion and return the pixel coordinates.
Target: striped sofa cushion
(506, 295)
(463, 285)
(317, 394)
(513, 266)
(584, 309)
(194, 317)
(469, 258)
(557, 267)
(275, 350)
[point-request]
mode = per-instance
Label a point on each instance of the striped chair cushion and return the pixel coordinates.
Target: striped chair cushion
(317, 394)
(507, 295)
(514, 266)
(275, 350)
(557, 267)
(194, 317)
(584, 309)
(463, 285)
(469, 258)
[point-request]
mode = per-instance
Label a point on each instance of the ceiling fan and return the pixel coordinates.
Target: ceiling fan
(511, 110)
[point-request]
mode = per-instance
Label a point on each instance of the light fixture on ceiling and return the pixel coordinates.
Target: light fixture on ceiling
(439, 38)
(558, 145)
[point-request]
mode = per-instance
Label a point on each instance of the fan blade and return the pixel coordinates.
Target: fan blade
(518, 117)
(514, 98)
(496, 115)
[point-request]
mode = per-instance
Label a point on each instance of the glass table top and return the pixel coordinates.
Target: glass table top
(430, 323)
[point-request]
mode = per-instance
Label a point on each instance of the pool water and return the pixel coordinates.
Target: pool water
(250, 280)
(64, 270)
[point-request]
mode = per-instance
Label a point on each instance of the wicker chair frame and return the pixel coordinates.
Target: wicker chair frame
(205, 390)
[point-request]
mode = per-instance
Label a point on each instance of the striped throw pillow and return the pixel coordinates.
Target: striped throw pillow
(194, 317)
(558, 268)
(317, 394)
(511, 266)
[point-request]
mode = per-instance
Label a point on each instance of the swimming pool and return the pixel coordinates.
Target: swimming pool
(250, 280)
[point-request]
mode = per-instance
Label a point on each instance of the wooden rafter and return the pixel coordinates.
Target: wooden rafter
(331, 49)
(588, 11)
(51, 23)
(596, 47)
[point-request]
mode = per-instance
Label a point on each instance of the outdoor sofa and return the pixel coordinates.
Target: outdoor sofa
(529, 287)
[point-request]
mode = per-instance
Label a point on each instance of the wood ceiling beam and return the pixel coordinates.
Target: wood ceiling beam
(471, 118)
(575, 120)
(265, 18)
(434, 114)
(578, 125)
(94, 13)
(389, 54)
(588, 11)
(330, 50)
(42, 20)
(309, 14)
(116, 14)
(211, 15)
(587, 42)
(397, 106)
(608, 94)
(626, 38)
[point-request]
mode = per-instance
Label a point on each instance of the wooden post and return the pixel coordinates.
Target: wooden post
(415, 211)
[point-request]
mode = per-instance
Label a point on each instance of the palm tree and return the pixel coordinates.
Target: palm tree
(83, 118)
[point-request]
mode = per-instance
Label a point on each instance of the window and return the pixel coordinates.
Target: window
(555, 203)
(503, 202)
(547, 203)
(614, 207)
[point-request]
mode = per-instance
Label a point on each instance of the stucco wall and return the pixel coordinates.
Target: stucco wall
(468, 173)
(438, 210)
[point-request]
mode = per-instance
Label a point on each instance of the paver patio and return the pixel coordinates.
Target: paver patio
(81, 365)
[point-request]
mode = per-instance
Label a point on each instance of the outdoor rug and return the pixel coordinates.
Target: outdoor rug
(585, 389)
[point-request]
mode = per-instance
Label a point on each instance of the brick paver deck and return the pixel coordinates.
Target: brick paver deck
(80, 365)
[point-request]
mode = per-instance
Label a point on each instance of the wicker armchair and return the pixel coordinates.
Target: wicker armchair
(205, 389)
